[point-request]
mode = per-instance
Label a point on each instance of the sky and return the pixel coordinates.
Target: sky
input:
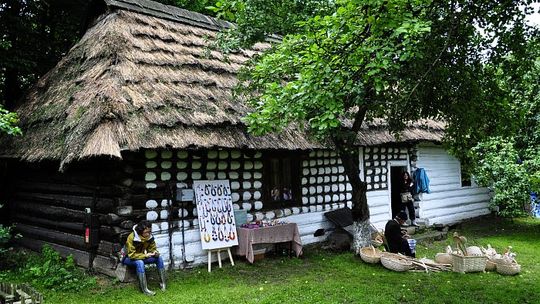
(535, 18)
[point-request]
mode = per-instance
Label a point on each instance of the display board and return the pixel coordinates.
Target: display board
(216, 215)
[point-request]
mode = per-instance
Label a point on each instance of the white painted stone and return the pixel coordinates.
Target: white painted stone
(256, 195)
(235, 154)
(305, 190)
(312, 154)
(210, 175)
(235, 185)
(368, 164)
(246, 196)
(246, 175)
(305, 172)
(235, 197)
(369, 187)
(287, 211)
(319, 162)
(390, 150)
(376, 164)
(156, 227)
(327, 170)
(326, 188)
(335, 206)
(348, 196)
(246, 206)
(335, 188)
(313, 171)
(235, 165)
(339, 161)
(334, 178)
(151, 216)
(383, 157)
(257, 155)
(151, 186)
(257, 175)
(368, 179)
(320, 199)
(236, 207)
(327, 198)
(305, 200)
(181, 165)
(312, 180)
(222, 175)
(383, 185)
(151, 164)
(327, 161)
(151, 204)
(258, 165)
(305, 163)
(222, 165)
(342, 197)
(348, 187)
(319, 189)
(196, 165)
(166, 154)
(313, 200)
(150, 176)
(248, 165)
(376, 186)
(320, 153)
(305, 209)
(321, 171)
(333, 161)
(326, 179)
(304, 181)
(223, 154)
(212, 154)
(369, 172)
(257, 185)
(164, 203)
(320, 180)
(349, 204)
(341, 178)
(249, 217)
(258, 205)
(150, 154)
(341, 187)
(259, 216)
(295, 210)
(166, 165)
(335, 170)
(196, 175)
(270, 215)
(376, 178)
(377, 170)
(165, 176)
(195, 213)
(312, 163)
(312, 208)
(234, 175)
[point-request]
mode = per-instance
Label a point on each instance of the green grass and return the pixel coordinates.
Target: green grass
(326, 277)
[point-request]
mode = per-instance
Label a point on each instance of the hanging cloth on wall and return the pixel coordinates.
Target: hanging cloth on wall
(421, 181)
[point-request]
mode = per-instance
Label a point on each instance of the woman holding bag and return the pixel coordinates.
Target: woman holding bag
(407, 201)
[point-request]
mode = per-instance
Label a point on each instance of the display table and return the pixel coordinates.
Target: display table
(268, 235)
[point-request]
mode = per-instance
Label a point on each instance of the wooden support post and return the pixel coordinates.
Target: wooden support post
(219, 257)
(209, 260)
(230, 256)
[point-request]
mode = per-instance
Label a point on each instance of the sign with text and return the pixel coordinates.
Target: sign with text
(215, 213)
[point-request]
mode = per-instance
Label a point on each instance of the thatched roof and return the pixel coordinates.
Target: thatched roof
(142, 77)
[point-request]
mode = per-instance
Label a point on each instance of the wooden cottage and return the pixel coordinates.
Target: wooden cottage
(139, 108)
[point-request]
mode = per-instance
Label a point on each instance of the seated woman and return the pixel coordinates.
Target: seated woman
(141, 249)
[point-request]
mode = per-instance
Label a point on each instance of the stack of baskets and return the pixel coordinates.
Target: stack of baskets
(370, 255)
(395, 262)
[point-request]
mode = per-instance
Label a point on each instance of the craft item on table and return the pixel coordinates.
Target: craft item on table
(507, 264)
(260, 224)
(474, 251)
(370, 255)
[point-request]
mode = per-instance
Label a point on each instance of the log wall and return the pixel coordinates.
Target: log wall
(448, 201)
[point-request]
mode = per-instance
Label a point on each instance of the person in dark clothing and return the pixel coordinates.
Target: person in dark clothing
(396, 239)
(407, 201)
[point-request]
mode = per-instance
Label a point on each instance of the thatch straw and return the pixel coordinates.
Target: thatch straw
(141, 78)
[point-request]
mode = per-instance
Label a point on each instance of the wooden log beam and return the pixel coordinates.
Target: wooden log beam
(63, 200)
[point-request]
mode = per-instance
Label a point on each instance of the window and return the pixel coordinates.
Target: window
(282, 180)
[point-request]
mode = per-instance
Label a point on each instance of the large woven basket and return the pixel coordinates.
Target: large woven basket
(395, 262)
(370, 255)
(468, 263)
(508, 269)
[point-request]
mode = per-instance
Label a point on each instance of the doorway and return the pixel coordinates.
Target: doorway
(396, 177)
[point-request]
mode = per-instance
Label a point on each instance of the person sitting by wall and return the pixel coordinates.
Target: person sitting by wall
(141, 249)
(396, 239)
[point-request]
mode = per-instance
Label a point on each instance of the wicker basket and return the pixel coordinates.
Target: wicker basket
(468, 263)
(508, 269)
(490, 265)
(443, 258)
(370, 255)
(395, 262)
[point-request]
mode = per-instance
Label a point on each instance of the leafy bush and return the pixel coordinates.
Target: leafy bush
(6, 234)
(50, 271)
(500, 167)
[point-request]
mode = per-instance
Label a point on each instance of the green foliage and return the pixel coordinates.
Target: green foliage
(6, 235)
(8, 122)
(499, 166)
(50, 271)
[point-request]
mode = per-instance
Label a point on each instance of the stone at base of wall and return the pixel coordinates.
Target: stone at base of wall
(125, 274)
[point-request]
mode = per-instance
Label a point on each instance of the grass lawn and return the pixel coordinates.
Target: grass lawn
(326, 277)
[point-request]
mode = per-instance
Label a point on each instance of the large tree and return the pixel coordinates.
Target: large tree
(399, 60)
